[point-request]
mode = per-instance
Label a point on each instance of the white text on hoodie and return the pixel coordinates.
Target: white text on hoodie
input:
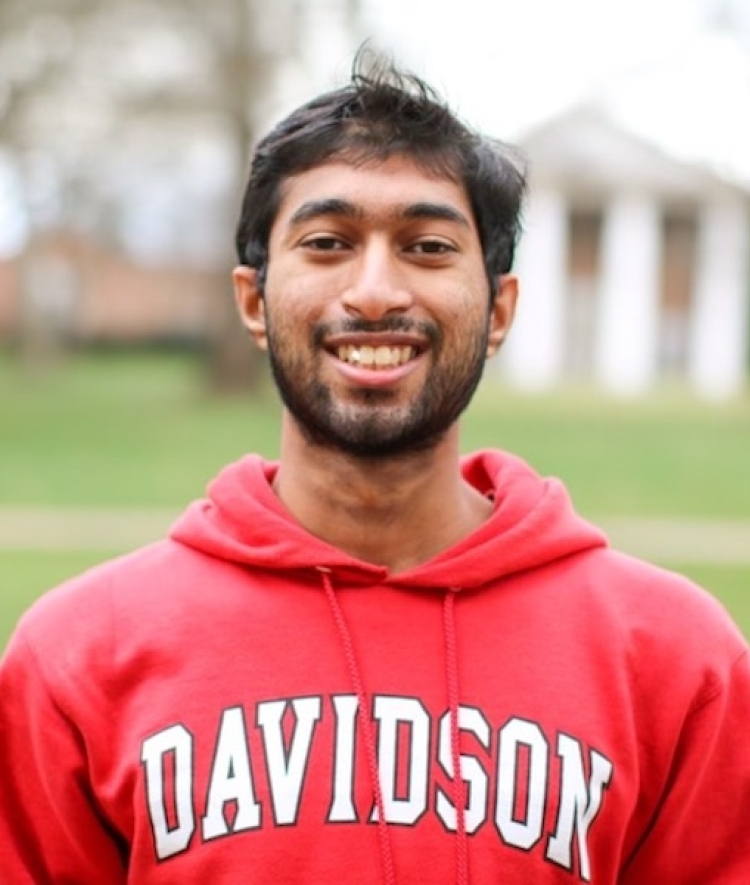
(515, 760)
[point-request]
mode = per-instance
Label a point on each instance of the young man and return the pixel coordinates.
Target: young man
(284, 689)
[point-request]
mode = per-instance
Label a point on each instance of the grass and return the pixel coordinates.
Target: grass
(114, 430)
(665, 456)
(117, 430)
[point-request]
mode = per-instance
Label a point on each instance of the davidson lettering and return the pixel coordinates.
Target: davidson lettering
(534, 777)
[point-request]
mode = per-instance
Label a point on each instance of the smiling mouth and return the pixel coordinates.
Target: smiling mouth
(382, 356)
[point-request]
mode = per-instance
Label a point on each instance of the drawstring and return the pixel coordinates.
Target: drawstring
(459, 787)
(384, 837)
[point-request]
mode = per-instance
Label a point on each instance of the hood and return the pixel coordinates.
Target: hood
(532, 524)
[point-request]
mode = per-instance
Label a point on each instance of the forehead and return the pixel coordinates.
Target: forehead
(380, 190)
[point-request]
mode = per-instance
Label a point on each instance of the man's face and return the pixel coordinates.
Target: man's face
(376, 308)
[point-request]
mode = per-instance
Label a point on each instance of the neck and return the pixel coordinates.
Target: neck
(396, 512)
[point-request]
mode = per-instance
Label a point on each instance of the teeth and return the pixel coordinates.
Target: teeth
(381, 357)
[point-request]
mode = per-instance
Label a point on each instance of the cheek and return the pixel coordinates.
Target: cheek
(298, 287)
(468, 306)
(292, 304)
(292, 320)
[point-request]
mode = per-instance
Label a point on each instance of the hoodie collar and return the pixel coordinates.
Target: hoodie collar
(532, 523)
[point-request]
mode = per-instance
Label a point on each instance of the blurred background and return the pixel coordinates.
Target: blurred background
(126, 128)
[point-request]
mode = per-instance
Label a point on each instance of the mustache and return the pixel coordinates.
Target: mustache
(358, 325)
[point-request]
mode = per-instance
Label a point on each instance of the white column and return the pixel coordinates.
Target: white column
(718, 355)
(626, 337)
(532, 357)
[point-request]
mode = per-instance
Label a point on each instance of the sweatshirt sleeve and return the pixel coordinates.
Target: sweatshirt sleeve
(700, 831)
(50, 828)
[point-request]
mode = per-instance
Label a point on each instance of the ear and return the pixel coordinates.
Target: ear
(249, 300)
(502, 311)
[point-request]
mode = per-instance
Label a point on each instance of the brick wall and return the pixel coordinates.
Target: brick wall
(98, 294)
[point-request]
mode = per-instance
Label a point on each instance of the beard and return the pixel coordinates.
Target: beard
(374, 424)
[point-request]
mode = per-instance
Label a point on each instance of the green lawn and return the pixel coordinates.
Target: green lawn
(118, 430)
(666, 456)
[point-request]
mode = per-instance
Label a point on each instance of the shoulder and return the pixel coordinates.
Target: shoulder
(663, 621)
(81, 602)
(76, 628)
(645, 591)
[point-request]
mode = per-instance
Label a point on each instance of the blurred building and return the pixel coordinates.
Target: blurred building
(67, 288)
(635, 265)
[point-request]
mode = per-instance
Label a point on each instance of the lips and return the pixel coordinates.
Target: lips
(381, 356)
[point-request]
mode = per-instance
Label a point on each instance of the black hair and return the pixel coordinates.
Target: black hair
(384, 112)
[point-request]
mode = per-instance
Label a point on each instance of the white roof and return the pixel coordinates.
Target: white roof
(681, 127)
(586, 150)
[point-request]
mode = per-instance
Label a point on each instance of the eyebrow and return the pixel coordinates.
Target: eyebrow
(344, 208)
(436, 211)
(319, 208)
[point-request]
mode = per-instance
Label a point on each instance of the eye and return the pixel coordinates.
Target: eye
(324, 243)
(431, 247)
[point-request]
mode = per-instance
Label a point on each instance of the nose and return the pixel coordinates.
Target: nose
(378, 285)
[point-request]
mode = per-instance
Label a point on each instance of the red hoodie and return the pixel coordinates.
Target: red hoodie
(243, 703)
